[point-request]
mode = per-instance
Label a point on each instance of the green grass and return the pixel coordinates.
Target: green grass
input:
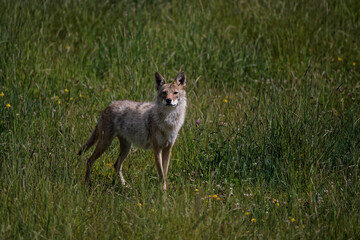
(286, 141)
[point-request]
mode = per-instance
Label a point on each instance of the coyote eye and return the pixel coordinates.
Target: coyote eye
(175, 93)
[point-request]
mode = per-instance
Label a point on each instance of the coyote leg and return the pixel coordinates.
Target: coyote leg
(158, 162)
(124, 151)
(165, 163)
(102, 145)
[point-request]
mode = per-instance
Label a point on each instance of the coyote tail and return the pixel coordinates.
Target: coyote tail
(91, 141)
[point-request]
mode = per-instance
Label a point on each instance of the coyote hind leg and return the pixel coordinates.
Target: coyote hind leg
(124, 151)
(103, 144)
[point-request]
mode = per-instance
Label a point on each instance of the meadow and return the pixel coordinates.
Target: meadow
(270, 148)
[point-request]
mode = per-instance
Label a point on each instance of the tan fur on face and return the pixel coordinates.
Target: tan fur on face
(171, 91)
(144, 124)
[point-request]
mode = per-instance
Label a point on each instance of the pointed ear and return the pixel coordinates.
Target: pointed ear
(160, 80)
(181, 79)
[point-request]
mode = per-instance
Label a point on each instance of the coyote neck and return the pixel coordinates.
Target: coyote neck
(172, 118)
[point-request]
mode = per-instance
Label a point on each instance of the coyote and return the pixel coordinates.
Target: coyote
(144, 124)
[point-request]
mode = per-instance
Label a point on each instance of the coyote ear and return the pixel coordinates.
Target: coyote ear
(160, 80)
(181, 79)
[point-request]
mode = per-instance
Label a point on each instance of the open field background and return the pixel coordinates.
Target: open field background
(274, 84)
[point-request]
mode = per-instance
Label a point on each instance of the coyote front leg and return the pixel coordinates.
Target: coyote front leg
(166, 154)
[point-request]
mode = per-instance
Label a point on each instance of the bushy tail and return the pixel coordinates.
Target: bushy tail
(91, 141)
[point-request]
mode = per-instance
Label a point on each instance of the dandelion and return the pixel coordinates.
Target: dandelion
(198, 121)
(277, 204)
(71, 98)
(80, 95)
(153, 210)
(247, 213)
(57, 97)
(217, 199)
(253, 220)
(275, 200)
(66, 90)
(109, 164)
(340, 59)
(59, 102)
(1, 94)
(354, 64)
(302, 226)
(225, 100)
(196, 190)
(210, 196)
(214, 196)
(292, 220)
(139, 204)
(8, 105)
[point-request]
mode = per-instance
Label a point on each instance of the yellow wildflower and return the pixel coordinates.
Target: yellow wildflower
(277, 204)
(66, 90)
(8, 105)
(247, 213)
(80, 95)
(109, 164)
(292, 220)
(340, 59)
(71, 98)
(196, 190)
(139, 204)
(354, 64)
(210, 196)
(1, 94)
(253, 220)
(215, 196)
(57, 97)
(217, 199)
(59, 102)
(153, 210)
(225, 100)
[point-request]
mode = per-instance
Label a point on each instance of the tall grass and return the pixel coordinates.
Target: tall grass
(274, 85)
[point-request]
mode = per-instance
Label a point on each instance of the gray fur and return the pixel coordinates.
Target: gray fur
(143, 124)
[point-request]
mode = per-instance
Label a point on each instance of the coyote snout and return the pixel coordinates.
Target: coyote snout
(145, 124)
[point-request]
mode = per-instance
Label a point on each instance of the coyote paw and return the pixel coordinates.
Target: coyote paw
(125, 185)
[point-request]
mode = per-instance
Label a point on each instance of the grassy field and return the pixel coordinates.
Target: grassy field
(274, 84)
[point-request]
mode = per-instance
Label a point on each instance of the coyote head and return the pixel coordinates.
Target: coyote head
(170, 94)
